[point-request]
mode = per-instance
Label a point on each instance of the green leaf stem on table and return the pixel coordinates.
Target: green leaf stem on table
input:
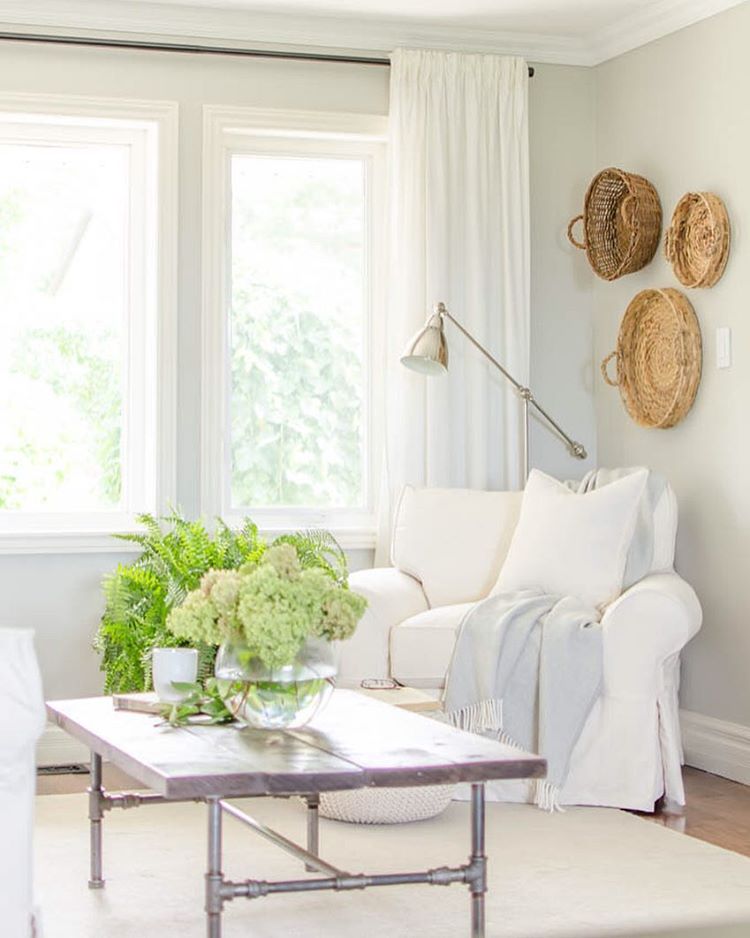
(203, 703)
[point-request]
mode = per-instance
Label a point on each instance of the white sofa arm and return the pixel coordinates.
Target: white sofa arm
(392, 596)
(648, 624)
(22, 718)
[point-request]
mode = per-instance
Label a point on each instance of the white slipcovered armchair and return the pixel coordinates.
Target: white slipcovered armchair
(447, 551)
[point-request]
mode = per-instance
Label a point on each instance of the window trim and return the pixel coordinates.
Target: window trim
(231, 130)
(92, 532)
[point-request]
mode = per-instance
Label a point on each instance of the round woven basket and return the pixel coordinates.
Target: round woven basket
(658, 358)
(697, 240)
(621, 223)
(386, 805)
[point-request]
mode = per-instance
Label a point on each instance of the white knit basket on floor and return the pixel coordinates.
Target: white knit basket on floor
(386, 805)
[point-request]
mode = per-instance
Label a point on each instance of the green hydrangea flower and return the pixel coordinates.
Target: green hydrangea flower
(283, 558)
(342, 610)
(195, 619)
(225, 593)
(271, 606)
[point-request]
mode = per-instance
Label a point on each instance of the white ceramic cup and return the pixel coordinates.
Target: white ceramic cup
(173, 664)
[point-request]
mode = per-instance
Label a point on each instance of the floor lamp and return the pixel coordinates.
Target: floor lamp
(427, 353)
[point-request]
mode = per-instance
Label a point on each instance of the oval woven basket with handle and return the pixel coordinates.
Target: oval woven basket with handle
(658, 358)
(697, 241)
(621, 223)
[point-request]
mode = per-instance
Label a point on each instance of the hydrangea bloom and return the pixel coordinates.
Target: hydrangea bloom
(271, 606)
(196, 619)
(342, 610)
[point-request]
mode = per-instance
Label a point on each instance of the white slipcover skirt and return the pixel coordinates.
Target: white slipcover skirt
(22, 719)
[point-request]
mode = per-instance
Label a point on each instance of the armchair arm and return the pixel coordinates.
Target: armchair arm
(648, 624)
(392, 596)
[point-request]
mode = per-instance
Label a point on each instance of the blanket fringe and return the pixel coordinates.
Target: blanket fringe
(485, 716)
(547, 796)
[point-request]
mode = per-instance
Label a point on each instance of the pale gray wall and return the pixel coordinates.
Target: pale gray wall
(561, 127)
(677, 112)
(59, 595)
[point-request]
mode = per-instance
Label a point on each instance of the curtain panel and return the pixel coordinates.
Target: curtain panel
(458, 202)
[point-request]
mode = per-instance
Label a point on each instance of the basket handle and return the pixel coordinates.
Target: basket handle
(571, 237)
(669, 252)
(605, 375)
(710, 247)
(628, 208)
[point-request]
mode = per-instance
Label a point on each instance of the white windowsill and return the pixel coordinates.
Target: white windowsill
(103, 542)
(348, 538)
(64, 542)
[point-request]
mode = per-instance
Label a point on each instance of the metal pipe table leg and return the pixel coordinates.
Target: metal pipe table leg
(96, 813)
(214, 876)
(478, 861)
(313, 829)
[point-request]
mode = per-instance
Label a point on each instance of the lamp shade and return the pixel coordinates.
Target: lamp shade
(427, 350)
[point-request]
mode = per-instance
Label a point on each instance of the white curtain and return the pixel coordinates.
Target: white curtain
(458, 180)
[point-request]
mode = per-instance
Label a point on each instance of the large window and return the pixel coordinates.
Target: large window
(299, 214)
(79, 332)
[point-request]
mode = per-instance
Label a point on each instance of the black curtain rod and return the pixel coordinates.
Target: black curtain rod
(192, 49)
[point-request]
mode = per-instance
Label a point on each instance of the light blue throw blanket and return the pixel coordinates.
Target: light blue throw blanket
(527, 668)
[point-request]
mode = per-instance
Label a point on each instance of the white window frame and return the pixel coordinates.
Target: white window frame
(149, 129)
(229, 131)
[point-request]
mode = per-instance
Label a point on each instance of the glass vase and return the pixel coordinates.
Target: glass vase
(281, 698)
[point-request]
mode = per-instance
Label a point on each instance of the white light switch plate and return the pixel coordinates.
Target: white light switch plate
(723, 347)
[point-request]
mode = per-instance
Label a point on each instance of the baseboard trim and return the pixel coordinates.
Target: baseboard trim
(716, 746)
(56, 747)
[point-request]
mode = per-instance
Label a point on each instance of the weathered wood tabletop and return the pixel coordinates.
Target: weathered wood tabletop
(355, 742)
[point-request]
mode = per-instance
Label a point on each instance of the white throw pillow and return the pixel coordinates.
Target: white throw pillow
(568, 544)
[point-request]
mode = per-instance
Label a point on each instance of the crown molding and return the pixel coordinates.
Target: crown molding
(175, 22)
(243, 28)
(653, 21)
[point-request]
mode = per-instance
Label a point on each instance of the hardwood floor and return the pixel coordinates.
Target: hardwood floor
(718, 810)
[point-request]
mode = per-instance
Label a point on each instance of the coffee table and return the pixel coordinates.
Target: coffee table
(355, 742)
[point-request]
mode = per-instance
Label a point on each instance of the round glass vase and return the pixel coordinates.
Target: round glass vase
(280, 698)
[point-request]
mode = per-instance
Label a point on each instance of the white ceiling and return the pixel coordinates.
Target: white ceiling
(562, 17)
(572, 32)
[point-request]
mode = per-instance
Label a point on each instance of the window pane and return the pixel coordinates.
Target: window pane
(63, 288)
(296, 332)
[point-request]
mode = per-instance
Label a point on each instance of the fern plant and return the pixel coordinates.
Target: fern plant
(319, 548)
(176, 553)
(139, 596)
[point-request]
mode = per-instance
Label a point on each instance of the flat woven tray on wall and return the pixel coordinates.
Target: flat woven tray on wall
(621, 223)
(697, 240)
(658, 357)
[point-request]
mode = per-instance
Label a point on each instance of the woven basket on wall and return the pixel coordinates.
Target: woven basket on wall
(621, 223)
(697, 241)
(658, 357)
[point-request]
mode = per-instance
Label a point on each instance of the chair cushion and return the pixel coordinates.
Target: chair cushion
(570, 544)
(421, 646)
(454, 541)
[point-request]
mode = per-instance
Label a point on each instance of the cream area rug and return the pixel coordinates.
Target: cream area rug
(588, 872)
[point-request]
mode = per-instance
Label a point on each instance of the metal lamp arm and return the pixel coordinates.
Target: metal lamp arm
(575, 448)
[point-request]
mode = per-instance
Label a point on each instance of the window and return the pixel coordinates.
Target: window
(293, 296)
(81, 265)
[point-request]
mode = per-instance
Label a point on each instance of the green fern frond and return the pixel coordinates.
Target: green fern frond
(318, 548)
(175, 554)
